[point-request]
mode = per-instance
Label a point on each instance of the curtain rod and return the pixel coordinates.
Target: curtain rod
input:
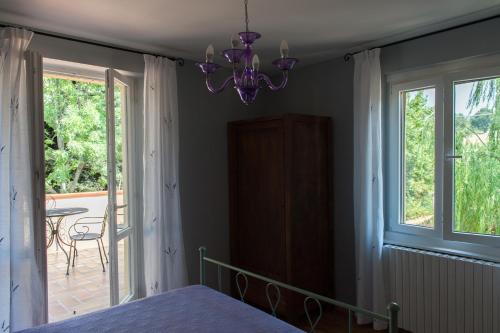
(178, 60)
(348, 56)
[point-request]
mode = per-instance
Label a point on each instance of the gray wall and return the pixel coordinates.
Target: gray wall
(203, 141)
(326, 89)
(321, 89)
(470, 41)
(87, 54)
(203, 166)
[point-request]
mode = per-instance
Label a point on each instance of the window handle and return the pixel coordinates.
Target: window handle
(453, 156)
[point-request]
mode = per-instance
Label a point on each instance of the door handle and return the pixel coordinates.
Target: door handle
(453, 156)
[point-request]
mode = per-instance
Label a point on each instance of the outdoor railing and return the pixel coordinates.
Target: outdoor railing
(392, 309)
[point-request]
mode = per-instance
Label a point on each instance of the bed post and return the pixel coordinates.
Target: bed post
(202, 250)
(393, 309)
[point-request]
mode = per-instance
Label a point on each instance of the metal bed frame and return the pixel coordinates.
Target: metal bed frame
(392, 309)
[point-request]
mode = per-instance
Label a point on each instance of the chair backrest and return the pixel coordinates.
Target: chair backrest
(50, 202)
(104, 221)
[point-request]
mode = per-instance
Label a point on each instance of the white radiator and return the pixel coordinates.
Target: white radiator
(441, 293)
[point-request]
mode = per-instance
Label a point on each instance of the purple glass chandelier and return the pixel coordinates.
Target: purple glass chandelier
(246, 80)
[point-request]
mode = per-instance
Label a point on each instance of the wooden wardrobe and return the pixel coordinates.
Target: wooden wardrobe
(280, 204)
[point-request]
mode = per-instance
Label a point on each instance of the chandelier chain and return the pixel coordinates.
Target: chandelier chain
(246, 15)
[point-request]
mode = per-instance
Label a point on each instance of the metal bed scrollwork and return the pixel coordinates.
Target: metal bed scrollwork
(310, 298)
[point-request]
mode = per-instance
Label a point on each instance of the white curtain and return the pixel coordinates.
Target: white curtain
(164, 261)
(22, 290)
(368, 184)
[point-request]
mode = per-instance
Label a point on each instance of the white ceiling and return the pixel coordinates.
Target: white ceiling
(316, 30)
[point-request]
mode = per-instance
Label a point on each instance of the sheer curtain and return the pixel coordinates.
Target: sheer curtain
(164, 261)
(22, 291)
(368, 184)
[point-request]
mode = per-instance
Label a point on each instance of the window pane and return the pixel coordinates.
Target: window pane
(419, 158)
(124, 268)
(477, 162)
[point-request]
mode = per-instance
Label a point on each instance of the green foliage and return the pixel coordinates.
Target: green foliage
(481, 121)
(419, 158)
(75, 135)
(477, 174)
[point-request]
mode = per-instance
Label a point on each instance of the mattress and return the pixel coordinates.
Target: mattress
(190, 309)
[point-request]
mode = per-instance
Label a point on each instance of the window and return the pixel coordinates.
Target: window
(442, 164)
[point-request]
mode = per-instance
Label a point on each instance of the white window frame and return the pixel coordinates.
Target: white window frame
(397, 145)
(442, 77)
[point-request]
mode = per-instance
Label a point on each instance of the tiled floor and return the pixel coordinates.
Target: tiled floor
(84, 290)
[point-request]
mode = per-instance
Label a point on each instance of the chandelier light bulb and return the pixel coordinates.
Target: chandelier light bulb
(255, 62)
(235, 41)
(209, 54)
(284, 49)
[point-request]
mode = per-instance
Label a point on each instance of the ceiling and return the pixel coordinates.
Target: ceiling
(316, 30)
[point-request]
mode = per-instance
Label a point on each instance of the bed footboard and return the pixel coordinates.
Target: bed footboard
(309, 297)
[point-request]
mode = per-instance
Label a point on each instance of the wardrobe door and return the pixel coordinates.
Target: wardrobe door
(308, 192)
(256, 155)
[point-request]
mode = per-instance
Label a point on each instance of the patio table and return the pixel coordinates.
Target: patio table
(55, 226)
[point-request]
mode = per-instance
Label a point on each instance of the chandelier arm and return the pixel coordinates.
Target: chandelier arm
(270, 84)
(215, 90)
(236, 75)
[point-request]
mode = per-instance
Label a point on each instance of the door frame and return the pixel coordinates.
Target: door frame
(97, 73)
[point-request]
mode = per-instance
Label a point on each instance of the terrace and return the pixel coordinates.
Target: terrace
(86, 288)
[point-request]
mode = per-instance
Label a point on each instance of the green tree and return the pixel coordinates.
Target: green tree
(481, 121)
(477, 173)
(419, 158)
(75, 135)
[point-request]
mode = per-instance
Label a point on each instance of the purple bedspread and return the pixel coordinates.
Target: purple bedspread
(185, 310)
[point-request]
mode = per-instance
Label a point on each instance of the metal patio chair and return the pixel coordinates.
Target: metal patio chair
(50, 202)
(88, 229)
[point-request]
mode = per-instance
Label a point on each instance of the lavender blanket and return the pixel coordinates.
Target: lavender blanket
(191, 309)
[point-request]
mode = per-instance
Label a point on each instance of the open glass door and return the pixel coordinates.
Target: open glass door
(120, 208)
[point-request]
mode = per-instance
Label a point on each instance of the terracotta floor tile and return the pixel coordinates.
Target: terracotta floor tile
(84, 290)
(58, 310)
